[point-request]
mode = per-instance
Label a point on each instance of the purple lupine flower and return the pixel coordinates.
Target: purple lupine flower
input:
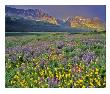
(13, 57)
(88, 57)
(60, 44)
(58, 51)
(48, 79)
(42, 62)
(54, 81)
(41, 79)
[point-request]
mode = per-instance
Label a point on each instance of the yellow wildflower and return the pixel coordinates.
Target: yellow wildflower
(83, 86)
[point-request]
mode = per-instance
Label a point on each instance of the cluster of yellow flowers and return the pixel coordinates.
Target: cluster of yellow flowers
(56, 74)
(70, 63)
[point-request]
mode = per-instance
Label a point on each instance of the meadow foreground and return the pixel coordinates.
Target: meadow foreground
(55, 60)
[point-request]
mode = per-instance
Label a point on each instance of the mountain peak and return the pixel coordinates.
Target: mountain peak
(34, 14)
(86, 22)
(82, 22)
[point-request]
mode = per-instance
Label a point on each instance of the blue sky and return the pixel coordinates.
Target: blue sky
(61, 11)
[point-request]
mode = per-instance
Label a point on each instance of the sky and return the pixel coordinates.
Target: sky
(62, 11)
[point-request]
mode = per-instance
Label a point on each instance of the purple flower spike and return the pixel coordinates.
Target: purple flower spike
(88, 57)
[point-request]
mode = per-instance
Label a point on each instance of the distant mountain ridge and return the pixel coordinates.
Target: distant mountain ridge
(36, 18)
(85, 22)
(33, 14)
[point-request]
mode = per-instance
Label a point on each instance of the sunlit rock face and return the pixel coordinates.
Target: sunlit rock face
(76, 22)
(85, 22)
(33, 14)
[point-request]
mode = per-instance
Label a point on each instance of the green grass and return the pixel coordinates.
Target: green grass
(57, 56)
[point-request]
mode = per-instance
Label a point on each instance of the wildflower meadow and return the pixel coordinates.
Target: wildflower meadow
(55, 60)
